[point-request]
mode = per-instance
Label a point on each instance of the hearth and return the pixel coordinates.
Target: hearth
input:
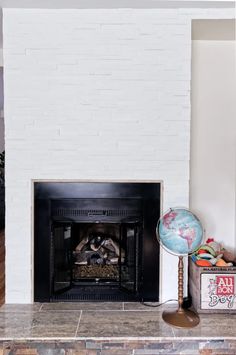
(96, 241)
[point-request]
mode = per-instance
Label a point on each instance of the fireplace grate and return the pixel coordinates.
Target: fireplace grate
(63, 212)
(99, 295)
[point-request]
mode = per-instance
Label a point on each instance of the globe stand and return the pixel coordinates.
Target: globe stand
(181, 318)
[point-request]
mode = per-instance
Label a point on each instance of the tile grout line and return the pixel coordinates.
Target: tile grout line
(173, 332)
(77, 328)
(89, 310)
(42, 310)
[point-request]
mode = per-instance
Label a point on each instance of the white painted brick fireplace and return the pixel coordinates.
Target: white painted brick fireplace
(94, 94)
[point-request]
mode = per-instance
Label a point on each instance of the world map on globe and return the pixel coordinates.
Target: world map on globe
(180, 231)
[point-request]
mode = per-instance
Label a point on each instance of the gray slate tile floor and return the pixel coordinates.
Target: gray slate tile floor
(104, 320)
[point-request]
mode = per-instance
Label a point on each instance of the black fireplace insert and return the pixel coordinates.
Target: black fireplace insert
(96, 241)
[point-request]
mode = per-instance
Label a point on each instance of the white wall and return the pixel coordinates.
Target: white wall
(94, 94)
(213, 150)
(1, 110)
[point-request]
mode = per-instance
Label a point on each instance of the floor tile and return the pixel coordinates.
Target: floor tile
(38, 324)
(20, 307)
(147, 306)
(16, 324)
(122, 324)
(211, 326)
(84, 306)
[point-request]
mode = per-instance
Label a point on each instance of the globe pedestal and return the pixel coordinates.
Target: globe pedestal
(181, 318)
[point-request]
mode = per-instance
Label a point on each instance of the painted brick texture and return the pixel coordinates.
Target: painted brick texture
(100, 94)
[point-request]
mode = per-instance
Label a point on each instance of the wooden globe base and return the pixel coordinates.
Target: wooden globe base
(181, 319)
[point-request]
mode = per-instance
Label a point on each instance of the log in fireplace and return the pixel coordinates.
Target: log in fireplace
(96, 241)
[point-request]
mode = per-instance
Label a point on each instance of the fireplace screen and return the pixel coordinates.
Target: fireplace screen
(96, 241)
(86, 254)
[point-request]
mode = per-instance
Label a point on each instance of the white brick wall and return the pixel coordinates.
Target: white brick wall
(94, 94)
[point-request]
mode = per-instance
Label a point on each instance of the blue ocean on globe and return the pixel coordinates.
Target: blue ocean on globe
(180, 231)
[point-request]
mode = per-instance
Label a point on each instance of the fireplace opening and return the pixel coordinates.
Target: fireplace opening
(96, 241)
(88, 255)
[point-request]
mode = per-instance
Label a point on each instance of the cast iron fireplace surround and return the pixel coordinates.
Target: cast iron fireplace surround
(96, 241)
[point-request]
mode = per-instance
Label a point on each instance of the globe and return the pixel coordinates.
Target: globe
(180, 231)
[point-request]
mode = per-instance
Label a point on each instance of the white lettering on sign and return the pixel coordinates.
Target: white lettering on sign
(214, 300)
(225, 285)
